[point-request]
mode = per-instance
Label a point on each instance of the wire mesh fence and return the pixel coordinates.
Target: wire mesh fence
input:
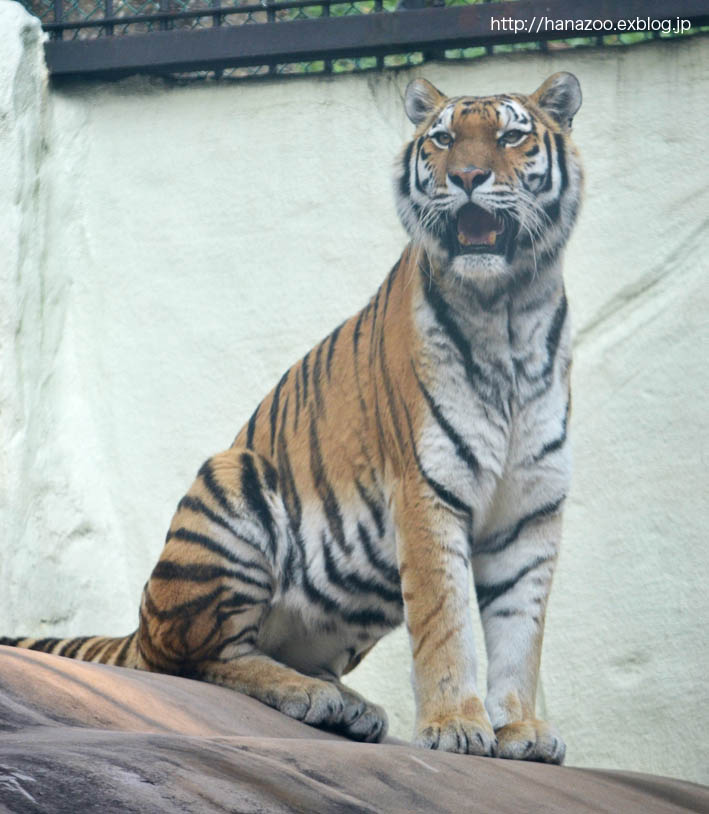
(83, 20)
(95, 18)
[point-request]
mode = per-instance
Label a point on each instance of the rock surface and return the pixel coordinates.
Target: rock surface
(84, 737)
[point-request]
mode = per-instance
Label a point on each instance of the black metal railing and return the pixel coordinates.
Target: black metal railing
(205, 37)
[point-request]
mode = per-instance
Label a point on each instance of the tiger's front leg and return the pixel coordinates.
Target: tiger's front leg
(512, 582)
(432, 545)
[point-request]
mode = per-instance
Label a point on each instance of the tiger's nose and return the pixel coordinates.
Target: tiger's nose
(469, 177)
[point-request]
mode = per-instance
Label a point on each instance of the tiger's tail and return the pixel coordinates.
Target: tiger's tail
(121, 651)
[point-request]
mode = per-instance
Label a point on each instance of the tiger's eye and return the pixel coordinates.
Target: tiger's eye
(512, 137)
(443, 139)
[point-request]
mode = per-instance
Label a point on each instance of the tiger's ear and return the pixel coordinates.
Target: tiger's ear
(421, 99)
(560, 97)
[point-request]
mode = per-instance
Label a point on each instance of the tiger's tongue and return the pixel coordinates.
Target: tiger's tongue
(476, 227)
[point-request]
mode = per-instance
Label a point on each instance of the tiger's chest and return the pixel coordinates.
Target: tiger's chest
(494, 431)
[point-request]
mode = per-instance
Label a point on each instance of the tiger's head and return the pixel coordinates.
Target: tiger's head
(490, 185)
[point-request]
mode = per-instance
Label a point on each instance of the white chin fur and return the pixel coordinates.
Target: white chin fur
(477, 266)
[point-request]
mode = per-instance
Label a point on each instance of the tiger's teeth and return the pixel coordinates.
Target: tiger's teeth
(487, 240)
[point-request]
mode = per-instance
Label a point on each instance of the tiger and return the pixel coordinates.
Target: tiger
(424, 439)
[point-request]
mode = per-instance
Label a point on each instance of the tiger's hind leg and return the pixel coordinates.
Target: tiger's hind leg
(208, 595)
(302, 697)
(317, 701)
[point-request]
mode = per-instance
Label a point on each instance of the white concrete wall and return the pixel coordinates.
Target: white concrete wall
(166, 251)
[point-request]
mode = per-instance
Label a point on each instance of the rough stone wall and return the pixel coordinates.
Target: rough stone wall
(56, 526)
(166, 251)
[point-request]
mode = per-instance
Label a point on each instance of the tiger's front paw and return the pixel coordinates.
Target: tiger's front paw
(315, 702)
(361, 720)
(466, 735)
(531, 740)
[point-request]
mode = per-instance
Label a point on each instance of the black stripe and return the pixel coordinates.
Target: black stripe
(11, 641)
(554, 335)
(404, 183)
(487, 594)
(511, 250)
(389, 392)
(248, 633)
(96, 648)
(355, 335)
(557, 443)
(390, 282)
(284, 416)
(123, 652)
(417, 179)
(153, 666)
(270, 475)
(561, 159)
(221, 617)
(235, 604)
(443, 316)
(251, 429)
(289, 493)
(374, 324)
(444, 494)
(380, 434)
(253, 494)
(108, 651)
(72, 647)
(533, 151)
(355, 584)
(44, 645)
(274, 407)
(462, 450)
(293, 507)
(331, 349)
(317, 374)
(325, 491)
(201, 572)
(196, 505)
(188, 636)
(552, 341)
(187, 536)
(374, 557)
(473, 372)
(546, 186)
(498, 542)
(189, 608)
(288, 573)
(304, 368)
(360, 618)
(374, 508)
(296, 412)
(215, 489)
(505, 613)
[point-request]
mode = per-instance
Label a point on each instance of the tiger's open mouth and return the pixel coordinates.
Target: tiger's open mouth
(476, 231)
